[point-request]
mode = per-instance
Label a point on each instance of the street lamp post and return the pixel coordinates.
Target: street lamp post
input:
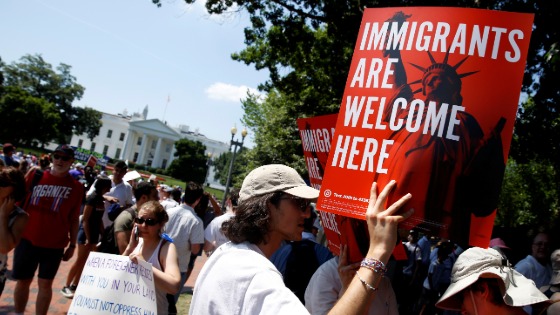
(208, 165)
(235, 145)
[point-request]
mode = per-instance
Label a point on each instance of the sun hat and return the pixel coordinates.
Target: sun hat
(131, 175)
(275, 177)
(498, 242)
(555, 259)
(477, 263)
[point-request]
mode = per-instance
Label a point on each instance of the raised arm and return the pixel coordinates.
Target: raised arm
(382, 226)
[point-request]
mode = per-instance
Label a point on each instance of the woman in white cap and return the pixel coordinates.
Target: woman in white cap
(274, 200)
(483, 283)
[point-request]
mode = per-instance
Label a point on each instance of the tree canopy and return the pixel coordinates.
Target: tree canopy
(33, 92)
(307, 46)
(191, 162)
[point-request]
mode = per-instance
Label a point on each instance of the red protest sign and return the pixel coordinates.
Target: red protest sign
(316, 136)
(430, 101)
(92, 161)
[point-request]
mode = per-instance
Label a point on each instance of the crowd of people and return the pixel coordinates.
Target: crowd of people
(264, 252)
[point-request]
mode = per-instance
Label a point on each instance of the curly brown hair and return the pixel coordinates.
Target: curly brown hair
(13, 177)
(251, 222)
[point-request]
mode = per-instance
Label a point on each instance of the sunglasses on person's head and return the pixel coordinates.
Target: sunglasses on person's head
(65, 158)
(150, 222)
(301, 203)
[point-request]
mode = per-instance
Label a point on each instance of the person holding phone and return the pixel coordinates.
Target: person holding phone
(12, 218)
(149, 243)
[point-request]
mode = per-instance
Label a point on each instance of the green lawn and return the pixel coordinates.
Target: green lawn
(184, 303)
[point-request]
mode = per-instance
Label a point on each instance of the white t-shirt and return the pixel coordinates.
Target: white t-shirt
(185, 228)
(213, 233)
(324, 288)
(532, 269)
(238, 279)
(169, 203)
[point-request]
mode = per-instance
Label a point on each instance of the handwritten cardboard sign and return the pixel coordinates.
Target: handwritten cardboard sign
(430, 102)
(113, 284)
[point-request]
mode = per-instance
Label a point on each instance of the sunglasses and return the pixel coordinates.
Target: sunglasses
(301, 203)
(65, 158)
(150, 222)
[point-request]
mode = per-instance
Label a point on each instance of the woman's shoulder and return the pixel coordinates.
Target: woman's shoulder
(17, 212)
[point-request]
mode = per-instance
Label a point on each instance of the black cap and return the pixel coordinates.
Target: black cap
(66, 149)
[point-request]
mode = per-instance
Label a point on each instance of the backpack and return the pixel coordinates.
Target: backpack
(108, 242)
(114, 210)
(37, 175)
(301, 264)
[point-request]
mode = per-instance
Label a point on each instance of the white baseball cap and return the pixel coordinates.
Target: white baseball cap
(275, 177)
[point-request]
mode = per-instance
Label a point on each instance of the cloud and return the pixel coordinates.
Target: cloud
(229, 93)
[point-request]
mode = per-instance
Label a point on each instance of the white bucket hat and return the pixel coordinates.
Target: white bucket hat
(477, 263)
(275, 177)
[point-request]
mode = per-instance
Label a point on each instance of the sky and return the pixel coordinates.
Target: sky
(129, 54)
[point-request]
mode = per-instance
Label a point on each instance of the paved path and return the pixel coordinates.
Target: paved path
(60, 304)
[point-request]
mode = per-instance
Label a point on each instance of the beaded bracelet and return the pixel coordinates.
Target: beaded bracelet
(374, 265)
(369, 286)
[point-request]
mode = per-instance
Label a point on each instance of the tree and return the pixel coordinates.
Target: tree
(528, 196)
(307, 46)
(41, 118)
(221, 166)
(190, 164)
(276, 135)
(34, 76)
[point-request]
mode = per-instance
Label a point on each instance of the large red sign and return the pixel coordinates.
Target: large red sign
(430, 101)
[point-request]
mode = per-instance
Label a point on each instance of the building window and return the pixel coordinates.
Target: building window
(164, 164)
(121, 138)
(118, 153)
(80, 143)
(149, 163)
(135, 157)
(139, 142)
(167, 149)
(92, 147)
(109, 133)
(154, 144)
(105, 149)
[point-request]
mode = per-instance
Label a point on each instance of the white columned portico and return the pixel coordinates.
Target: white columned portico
(157, 156)
(142, 151)
(125, 152)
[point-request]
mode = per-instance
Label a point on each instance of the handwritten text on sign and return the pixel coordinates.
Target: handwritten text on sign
(113, 284)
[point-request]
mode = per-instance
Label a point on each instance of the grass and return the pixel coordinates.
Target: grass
(184, 303)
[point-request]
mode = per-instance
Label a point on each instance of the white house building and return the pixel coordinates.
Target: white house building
(144, 141)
